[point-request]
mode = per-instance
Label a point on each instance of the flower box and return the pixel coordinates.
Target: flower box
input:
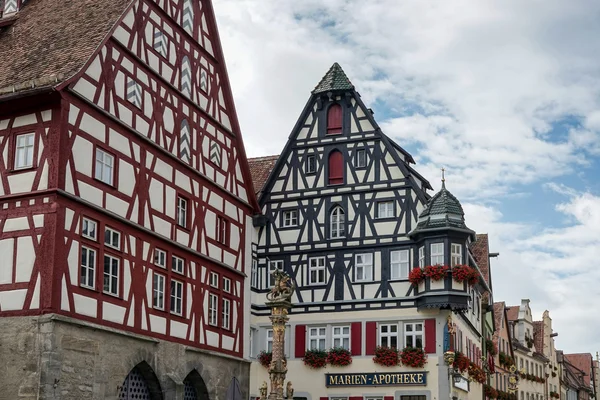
(315, 358)
(339, 357)
(464, 273)
(386, 356)
(413, 357)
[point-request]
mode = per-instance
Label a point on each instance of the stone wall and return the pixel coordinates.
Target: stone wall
(66, 359)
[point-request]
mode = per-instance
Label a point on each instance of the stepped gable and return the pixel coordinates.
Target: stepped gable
(51, 40)
(260, 169)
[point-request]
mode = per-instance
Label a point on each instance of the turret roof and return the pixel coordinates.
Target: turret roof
(334, 79)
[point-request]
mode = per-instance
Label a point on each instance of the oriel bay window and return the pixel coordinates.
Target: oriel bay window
(437, 253)
(455, 254)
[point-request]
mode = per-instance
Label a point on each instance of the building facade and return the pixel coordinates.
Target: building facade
(505, 356)
(126, 204)
(350, 220)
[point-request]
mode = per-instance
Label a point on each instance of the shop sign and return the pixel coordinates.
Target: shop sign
(376, 379)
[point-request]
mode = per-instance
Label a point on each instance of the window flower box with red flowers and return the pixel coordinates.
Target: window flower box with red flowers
(476, 373)
(413, 357)
(554, 395)
(386, 356)
(490, 346)
(464, 273)
(416, 276)
(339, 357)
(436, 272)
(461, 362)
(490, 392)
(315, 358)
(506, 360)
(264, 358)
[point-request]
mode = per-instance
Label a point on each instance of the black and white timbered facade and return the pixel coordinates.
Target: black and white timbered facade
(347, 217)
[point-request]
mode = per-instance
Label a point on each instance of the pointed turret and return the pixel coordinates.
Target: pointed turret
(334, 79)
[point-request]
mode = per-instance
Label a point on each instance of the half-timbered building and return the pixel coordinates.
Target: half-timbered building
(126, 203)
(346, 215)
(505, 356)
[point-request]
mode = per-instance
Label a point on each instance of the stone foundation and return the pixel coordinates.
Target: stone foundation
(60, 358)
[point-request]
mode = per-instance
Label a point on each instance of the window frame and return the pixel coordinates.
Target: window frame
(456, 255)
(33, 147)
(214, 280)
(226, 313)
(226, 284)
(363, 265)
(161, 280)
(413, 333)
(339, 226)
(421, 252)
(388, 203)
(271, 270)
(182, 221)
(87, 220)
(269, 334)
(341, 336)
(88, 268)
(316, 268)
(213, 310)
(113, 232)
(254, 274)
(388, 335)
(318, 337)
(357, 158)
(113, 168)
(178, 270)
(293, 220)
(308, 170)
(164, 256)
(111, 275)
(173, 296)
(222, 230)
(433, 254)
(400, 263)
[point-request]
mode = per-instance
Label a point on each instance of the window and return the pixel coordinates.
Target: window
(213, 309)
(160, 42)
(290, 218)
(222, 230)
(399, 264)
(111, 275)
(88, 228)
(226, 314)
(422, 256)
(413, 335)
(388, 335)
(88, 268)
(158, 291)
(112, 238)
(337, 223)
(336, 168)
(177, 264)
(385, 209)
(104, 167)
(316, 338)
(341, 337)
(274, 265)
(254, 277)
(176, 297)
(363, 268)
(334, 120)
(361, 158)
(24, 150)
(186, 77)
(437, 253)
(134, 92)
(227, 285)
(269, 339)
(160, 258)
(456, 254)
(214, 280)
(311, 164)
(316, 271)
(182, 212)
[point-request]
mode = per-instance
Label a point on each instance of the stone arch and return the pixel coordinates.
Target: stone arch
(141, 383)
(194, 387)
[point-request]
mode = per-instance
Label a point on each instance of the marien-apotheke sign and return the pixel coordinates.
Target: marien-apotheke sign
(376, 379)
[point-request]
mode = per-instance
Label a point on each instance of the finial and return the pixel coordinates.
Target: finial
(443, 178)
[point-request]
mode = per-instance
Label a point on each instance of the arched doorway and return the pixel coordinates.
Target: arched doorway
(141, 384)
(194, 387)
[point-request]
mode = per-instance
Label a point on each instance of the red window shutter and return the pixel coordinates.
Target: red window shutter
(388, 397)
(334, 120)
(430, 336)
(336, 168)
(370, 338)
(356, 335)
(300, 338)
(323, 398)
(355, 398)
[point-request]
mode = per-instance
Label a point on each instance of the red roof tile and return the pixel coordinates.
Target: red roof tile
(481, 253)
(498, 315)
(54, 38)
(512, 313)
(582, 361)
(260, 169)
(538, 336)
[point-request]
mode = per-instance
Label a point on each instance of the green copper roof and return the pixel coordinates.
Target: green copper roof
(334, 79)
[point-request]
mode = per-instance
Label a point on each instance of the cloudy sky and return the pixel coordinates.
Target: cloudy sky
(505, 95)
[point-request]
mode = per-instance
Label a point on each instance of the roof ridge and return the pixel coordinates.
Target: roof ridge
(334, 79)
(263, 157)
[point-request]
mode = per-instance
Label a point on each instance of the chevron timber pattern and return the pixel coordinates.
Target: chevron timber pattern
(186, 77)
(184, 142)
(215, 153)
(134, 92)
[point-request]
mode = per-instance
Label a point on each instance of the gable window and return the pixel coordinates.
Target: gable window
(455, 254)
(337, 223)
(182, 216)
(214, 280)
(213, 309)
(134, 92)
(226, 322)
(254, 277)
(290, 218)
(222, 230)
(341, 337)
(385, 209)
(24, 145)
(88, 228)
(160, 258)
(316, 271)
(274, 265)
(186, 77)
(399, 264)
(422, 256)
(361, 158)
(363, 267)
(88, 268)
(226, 285)
(334, 120)
(158, 291)
(336, 168)
(388, 335)
(112, 238)
(413, 335)
(104, 167)
(160, 42)
(311, 164)
(269, 340)
(177, 264)
(437, 254)
(176, 297)
(316, 338)
(111, 275)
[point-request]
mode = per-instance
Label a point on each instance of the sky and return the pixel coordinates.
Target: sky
(504, 95)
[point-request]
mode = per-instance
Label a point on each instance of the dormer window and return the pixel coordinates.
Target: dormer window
(336, 168)
(437, 253)
(334, 120)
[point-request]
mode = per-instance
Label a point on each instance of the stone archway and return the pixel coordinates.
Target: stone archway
(195, 387)
(141, 384)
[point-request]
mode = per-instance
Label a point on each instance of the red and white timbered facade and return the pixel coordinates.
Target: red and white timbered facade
(127, 202)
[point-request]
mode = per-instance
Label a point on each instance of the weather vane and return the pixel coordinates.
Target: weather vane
(443, 175)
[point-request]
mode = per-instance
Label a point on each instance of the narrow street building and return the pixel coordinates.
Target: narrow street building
(505, 357)
(126, 204)
(543, 337)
